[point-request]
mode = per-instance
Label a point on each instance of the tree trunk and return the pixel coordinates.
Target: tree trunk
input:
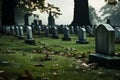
(8, 12)
(81, 13)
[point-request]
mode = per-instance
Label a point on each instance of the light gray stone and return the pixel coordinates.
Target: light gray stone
(55, 33)
(82, 36)
(29, 39)
(66, 34)
(105, 47)
(21, 33)
(46, 31)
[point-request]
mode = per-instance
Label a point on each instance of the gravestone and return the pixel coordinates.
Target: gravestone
(77, 30)
(39, 30)
(12, 30)
(71, 29)
(36, 24)
(29, 39)
(105, 48)
(17, 31)
(8, 30)
(0, 28)
(66, 34)
(117, 35)
(55, 33)
(46, 31)
(33, 27)
(21, 33)
(90, 30)
(82, 36)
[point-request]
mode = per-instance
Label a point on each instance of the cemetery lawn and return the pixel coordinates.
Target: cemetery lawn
(64, 59)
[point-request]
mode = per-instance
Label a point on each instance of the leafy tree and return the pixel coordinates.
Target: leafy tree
(112, 13)
(94, 19)
(112, 2)
(8, 9)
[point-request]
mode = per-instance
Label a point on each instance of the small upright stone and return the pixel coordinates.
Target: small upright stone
(55, 33)
(117, 35)
(12, 28)
(8, 30)
(66, 34)
(17, 31)
(39, 30)
(71, 29)
(82, 36)
(46, 31)
(29, 39)
(21, 33)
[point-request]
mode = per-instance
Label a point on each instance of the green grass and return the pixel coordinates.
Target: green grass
(61, 67)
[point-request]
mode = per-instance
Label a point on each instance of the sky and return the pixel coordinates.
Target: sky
(67, 7)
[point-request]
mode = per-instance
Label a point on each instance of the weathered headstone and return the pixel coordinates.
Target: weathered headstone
(17, 31)
(29, 39)
(105, 48)
(82, 36)
(33, 27)
(66, 34)
(77, 30)
(12, 30)
(7, 30)
(39, 30)
(55, 33)
(46, 31)
(117, 34)
(71, 29)
(90, 30)
(21, 33)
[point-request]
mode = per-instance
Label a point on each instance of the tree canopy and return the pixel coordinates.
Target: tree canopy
(112, 2)
(42, 5)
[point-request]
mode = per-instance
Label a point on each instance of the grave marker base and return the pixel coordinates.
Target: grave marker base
(55, 37)
(21, 37)
(30, 41)
(112, 62)
(82, 42)
(117, 42)
(66, 39)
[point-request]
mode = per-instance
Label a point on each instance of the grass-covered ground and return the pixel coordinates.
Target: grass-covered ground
(64, 62)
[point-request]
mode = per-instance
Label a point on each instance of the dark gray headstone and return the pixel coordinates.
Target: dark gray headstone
(39, 30)
(66, 34)
(46, 31)
(21, 33)
(82, 36)
(117, 34)
(71, 29)
(105, 47)
(8, 30)
(17, 31)
(55, 33)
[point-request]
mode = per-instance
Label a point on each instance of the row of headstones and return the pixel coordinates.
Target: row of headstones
(104, 45)
(18, 32)
(66, 32)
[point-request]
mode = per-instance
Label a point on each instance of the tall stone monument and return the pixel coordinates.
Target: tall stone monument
(51, 20)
